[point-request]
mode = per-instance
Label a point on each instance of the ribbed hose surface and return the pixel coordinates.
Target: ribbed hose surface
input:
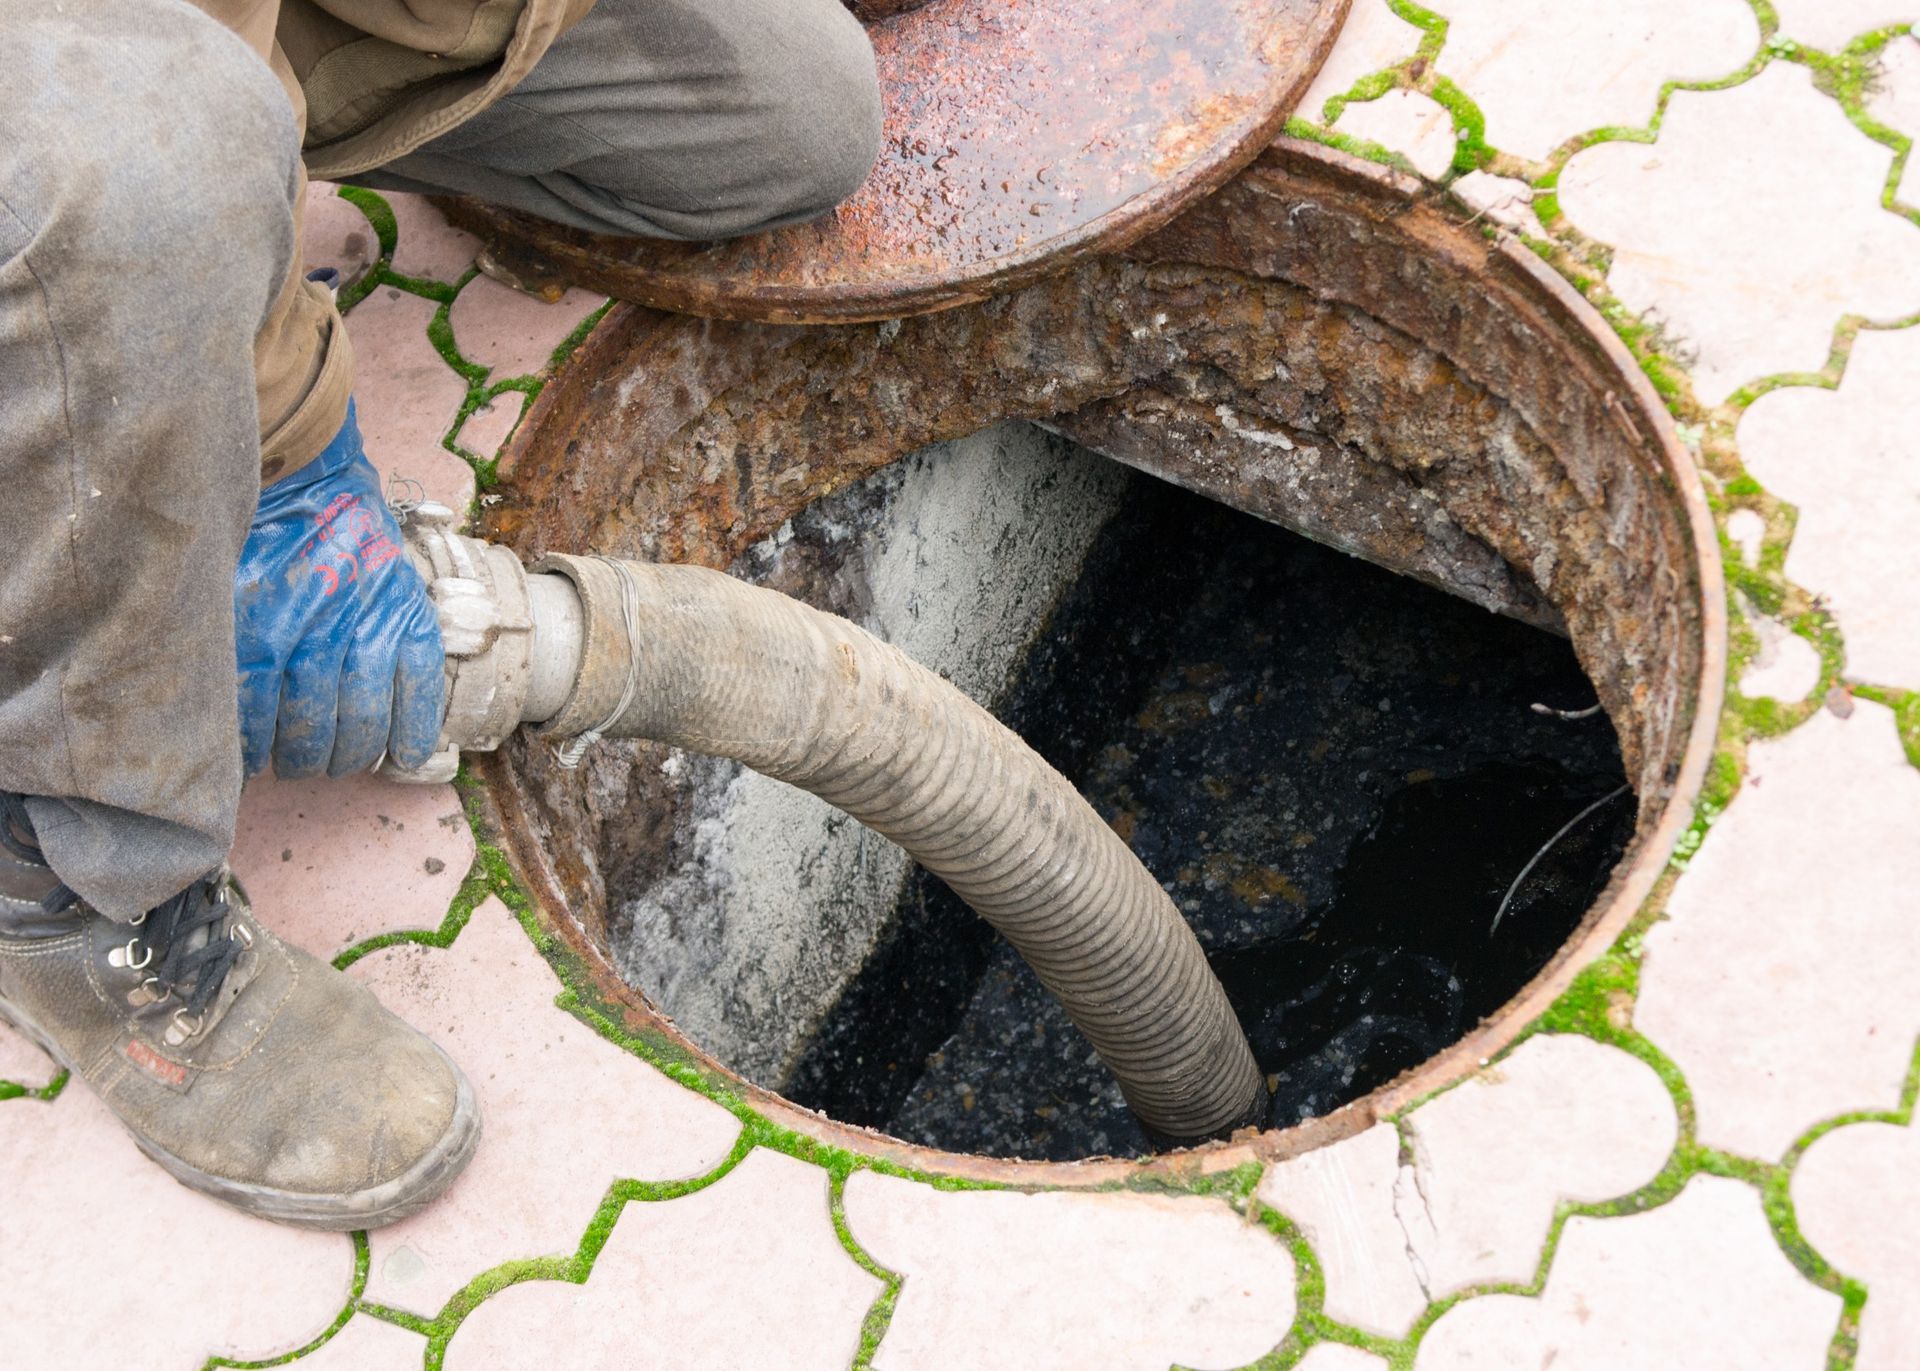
(810, 699)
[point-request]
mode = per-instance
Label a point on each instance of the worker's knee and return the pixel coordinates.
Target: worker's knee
(821, 123)
(796, 131)
(146, 133)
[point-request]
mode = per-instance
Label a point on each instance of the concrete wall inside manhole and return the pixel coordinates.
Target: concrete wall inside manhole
(1321, 345)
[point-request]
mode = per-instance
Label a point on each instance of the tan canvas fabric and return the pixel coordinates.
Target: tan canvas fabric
(369, 80)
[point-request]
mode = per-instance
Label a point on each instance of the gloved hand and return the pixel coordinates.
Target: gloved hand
(339, 647)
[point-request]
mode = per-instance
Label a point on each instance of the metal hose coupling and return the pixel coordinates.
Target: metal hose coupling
(585, 646)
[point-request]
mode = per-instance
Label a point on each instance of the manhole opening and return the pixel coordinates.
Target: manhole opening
(1335, 771)
(1320, 345)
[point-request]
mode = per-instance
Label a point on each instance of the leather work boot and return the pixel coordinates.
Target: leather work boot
(248, 1069)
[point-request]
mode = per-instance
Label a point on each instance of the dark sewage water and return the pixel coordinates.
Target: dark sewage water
(1337, 774)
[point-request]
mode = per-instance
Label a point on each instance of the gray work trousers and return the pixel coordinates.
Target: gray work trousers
(147, 166)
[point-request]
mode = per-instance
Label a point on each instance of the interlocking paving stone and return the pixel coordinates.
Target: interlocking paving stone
(368, 1344)
(488, 427)
(511, 332)
(406, 395)
(1065, 1282)
(1544, 70)
(1502, 199)
(426, 245)
(1343, 1198)
(107, 1261)
(1850, 459)
(1333, 1356)
(1786, 667)
(1698, 1282)
(1857, 1197)
(22, 1063)
(1750, 228)
(565, 1112)
(336, 234)
(1830, 24)
(1407, 122)
(1562, 1118)
(745, 1273)
(1373, 38)
(329, 863)
(1747, 531)
(1785, 982)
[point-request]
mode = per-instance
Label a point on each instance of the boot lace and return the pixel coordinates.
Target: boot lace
(189, 966)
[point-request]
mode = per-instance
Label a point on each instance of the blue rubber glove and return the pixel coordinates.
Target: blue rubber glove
(338, 645)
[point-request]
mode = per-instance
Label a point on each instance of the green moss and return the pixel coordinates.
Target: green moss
(379, 214)
(1433, 27)
(1372, 152)
(13, 1090)
(1470, 150)
(1905, 705)
(873, 1328)
(1370, 87)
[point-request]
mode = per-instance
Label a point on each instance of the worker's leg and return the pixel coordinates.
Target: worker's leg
(147, 164)
(675, 119)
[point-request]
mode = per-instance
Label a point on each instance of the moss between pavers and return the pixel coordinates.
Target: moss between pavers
(482, 386)
(13, 1090)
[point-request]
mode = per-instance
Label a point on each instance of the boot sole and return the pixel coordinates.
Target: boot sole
(375, 1207)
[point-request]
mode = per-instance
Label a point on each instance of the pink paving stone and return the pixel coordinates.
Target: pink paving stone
(1856, 1193)
(1542, 71)
(22, 1063)
(1561, 1119)
(407, 397)
(513, 333)
(566, 1112)
(336, 234)
(1698, 1284)
(745, 1275)
(368, 1344)
(488, 428)
(107, 1262)
(1408, 123)
(1747, 530)
(1785, 980)
(1344, 1197)
(426, 244)
(1850, 459)
(1069, 1282)
(331, 863)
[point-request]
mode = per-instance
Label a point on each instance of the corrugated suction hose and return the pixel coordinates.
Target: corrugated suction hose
(704, 662)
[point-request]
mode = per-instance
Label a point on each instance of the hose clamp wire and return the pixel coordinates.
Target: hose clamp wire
(570, 753)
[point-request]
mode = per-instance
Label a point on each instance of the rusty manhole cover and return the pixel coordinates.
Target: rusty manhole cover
(1323, 344)
(1019, 134)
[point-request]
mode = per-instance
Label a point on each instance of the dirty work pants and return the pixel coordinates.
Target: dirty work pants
(148, 161)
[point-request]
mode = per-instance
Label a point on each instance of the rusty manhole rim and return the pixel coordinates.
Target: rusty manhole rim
(1628, 888)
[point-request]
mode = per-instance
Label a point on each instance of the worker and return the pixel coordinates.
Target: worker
(185, 502)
